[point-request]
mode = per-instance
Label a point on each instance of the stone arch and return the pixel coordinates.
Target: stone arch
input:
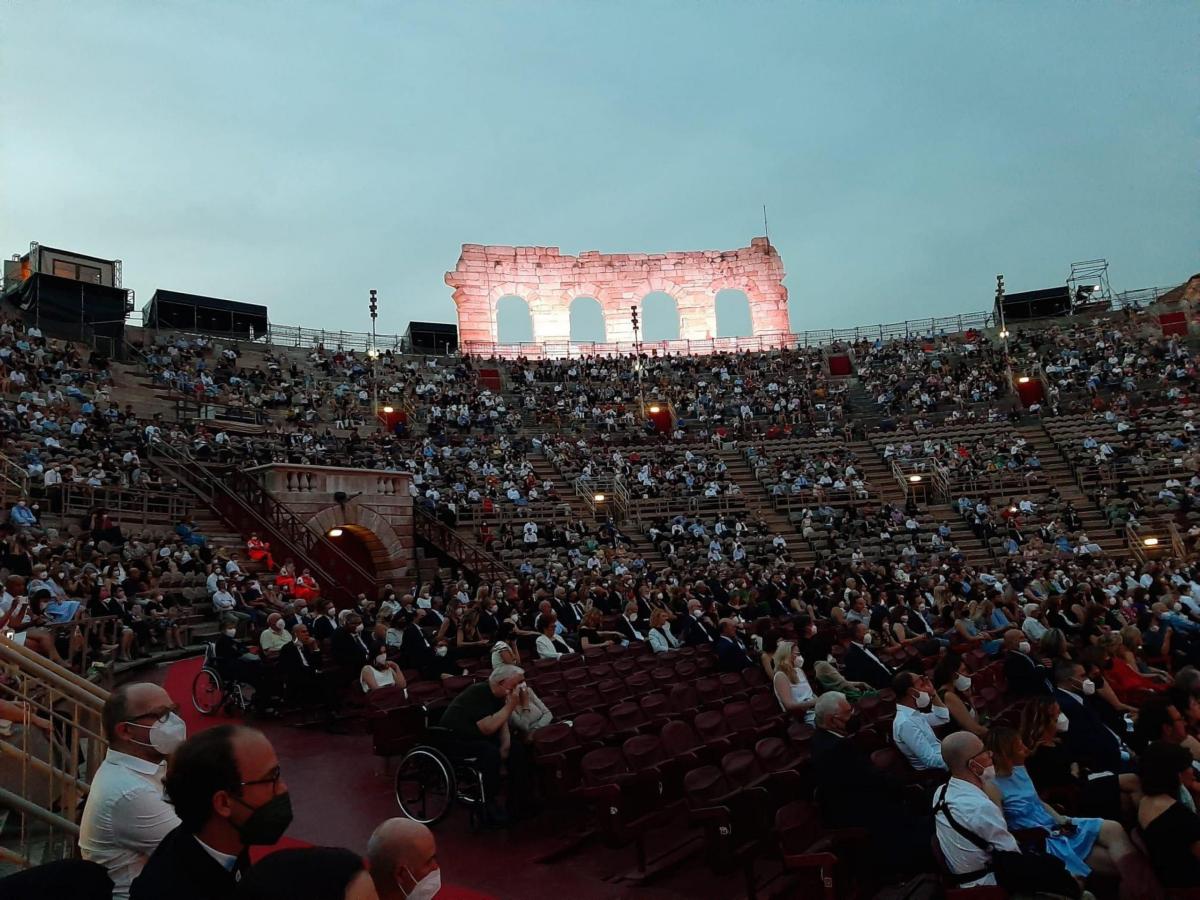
(387, 550)
(660, 315)
(587, 319)
(733, 314)
(514, 320)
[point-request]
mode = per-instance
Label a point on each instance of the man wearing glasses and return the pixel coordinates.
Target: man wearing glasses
(229, 794)
(126, 816)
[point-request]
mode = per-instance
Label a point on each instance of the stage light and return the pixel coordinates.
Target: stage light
(1150, 542)
(373, 353)
(1004, 334)
(1024, 379)
(914, 478)
(654, 410)
(389, 410)
(599, 498)
(335, 532)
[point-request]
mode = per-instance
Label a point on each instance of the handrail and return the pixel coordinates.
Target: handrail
(242, 491)
(471, 556)
(63, 680)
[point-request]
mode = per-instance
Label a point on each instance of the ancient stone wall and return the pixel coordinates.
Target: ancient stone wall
(548, 281)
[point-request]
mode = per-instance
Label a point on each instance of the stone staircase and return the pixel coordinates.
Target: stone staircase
(760, 504)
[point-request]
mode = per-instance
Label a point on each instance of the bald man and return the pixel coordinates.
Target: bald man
(402, 856)
(964, 803)
(126, 817)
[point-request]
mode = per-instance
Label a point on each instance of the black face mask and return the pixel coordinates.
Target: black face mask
(268, 822)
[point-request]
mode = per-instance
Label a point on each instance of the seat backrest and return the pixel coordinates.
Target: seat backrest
(642, 751)
(798, 825)
(591, 726)
(626, 715)
(704, 785)
(679, 737)
(710, 724)
(741, 767)
(553, 738)
(603, 765)
(739, 716)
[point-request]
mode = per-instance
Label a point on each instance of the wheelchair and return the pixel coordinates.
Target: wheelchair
(212, 694)
(428, 783)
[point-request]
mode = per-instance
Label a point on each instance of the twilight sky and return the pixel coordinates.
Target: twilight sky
(299, 153)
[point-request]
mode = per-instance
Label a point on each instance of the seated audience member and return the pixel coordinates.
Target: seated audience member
(228, 791)
(696, 628)
(732, 654)
(856, 794)
(274, 637)
(590, 633)
(550, 645)
(860, 662)
(1158, 720)
(1170, 829)
(831, 679)
(1024, 675)
(530, 713)
(77, 879)
(504, 651)
(308, 873)
(351, 646)
(477, 722)
(918, 710)
(125, 816)
(1091, 743)
(258, 549)
(952, 683)
(402, 857)
(970, 827)
(792, 690)
(659, 634)
(381, 673)
(1082, 844)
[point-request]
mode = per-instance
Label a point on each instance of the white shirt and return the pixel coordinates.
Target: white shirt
(912, 732)
(548, 649)
(662, 640)
(125, 817)
(974, 811)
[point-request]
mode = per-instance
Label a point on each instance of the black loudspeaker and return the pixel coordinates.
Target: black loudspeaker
(431, 337)
(1044, 304)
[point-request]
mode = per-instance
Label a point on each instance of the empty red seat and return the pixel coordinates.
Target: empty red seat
(603, 765)
(686, 669)
(627, 716)
(591, 727)
(732, 684)
(612, 690)
(741, 767)
(709, 691)
(584, 698)
(683, 699)
(655, 706)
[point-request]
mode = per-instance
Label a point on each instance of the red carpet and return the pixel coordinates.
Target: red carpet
(178, 683)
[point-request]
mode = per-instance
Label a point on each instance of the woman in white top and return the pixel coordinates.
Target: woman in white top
(792, 690)
(382, 673)
(530, 713)
(505, 651)
(660, 637)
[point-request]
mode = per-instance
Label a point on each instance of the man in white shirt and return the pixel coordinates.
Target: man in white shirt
(918, 710)
(126, 816)
(964, 802)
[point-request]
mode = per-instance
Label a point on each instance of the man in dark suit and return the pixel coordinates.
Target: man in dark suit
(861, 664)
(629, 626)
(695, 629)
(351, 645)
(853, 793)
(1023, 674)
(229, 793)
(1091, 743)
(732, 655)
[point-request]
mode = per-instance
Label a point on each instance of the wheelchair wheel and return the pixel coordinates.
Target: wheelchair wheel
(425, 785)
(207, 693)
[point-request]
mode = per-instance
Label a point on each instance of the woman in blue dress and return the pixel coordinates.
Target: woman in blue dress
(1081, 844)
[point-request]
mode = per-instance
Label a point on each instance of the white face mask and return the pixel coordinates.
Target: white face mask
(358, 629)
(381, 661)
(1024, 647)
(278, 626)
(230, 632)
(963, 682)
(922, 700)
(1178, 607)
(441, 651)
(166, 736)
(1088, 687)
(868, 638)
(426, 888)
(988, 774)
(799, 661)
(1062, 724)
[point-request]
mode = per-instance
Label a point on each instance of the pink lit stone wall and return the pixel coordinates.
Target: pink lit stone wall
(549, 281)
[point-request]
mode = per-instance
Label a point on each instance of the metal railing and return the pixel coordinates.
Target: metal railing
(242, 500)
(49, 758)
(444, 538)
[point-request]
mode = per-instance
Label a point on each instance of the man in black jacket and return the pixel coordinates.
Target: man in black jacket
(229, 793)
(853, 793)
(1024, 676)
(1091, 743)
(861, 664)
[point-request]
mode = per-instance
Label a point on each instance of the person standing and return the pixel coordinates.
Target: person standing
(125, 816)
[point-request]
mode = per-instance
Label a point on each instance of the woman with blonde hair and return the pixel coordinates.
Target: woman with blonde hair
(792, 690)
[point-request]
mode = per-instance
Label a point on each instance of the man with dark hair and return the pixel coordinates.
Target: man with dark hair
(126, 816)
(229, 793)
(1090, 742)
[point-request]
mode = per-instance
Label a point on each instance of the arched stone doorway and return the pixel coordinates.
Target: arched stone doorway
(660, 317)
(587, 321)
(514, 323)
(365, 535)
(733, 314)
